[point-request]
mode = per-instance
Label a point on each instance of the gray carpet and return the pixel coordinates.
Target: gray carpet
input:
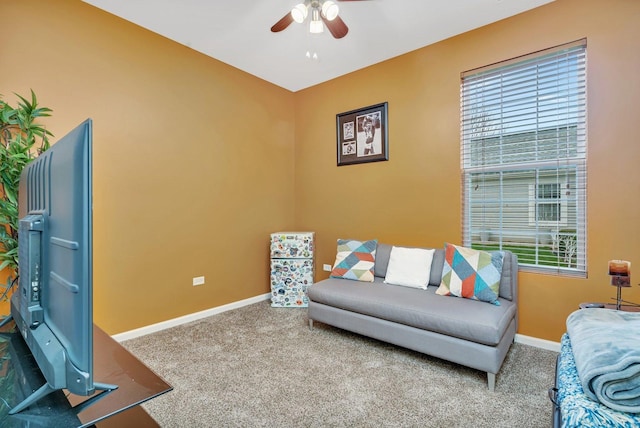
(259, 366)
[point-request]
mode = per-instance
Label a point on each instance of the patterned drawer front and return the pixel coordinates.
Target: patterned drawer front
(290, 279)
(292, 245)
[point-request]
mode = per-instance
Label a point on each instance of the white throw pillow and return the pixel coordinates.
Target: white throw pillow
(410, 267)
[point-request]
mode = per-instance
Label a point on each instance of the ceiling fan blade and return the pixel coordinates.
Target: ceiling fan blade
(283, 23)
(337, 27)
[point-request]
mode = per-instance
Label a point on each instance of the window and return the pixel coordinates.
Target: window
(546, 206)
(523, 158)
(548, 203)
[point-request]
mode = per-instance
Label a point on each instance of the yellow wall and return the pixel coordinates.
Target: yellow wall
(4, 304)
(186, 148)
(187, 155)
(414, 198)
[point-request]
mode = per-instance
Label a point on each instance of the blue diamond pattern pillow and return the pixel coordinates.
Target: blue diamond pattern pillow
(355, 260)
(471, 274)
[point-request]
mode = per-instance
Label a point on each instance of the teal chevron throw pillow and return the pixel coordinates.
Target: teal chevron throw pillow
(355, 260)
(471, 274)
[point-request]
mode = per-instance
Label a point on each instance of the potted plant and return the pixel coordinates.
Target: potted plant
(22, 139)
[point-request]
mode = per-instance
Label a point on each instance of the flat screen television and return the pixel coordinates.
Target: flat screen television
(53, 305)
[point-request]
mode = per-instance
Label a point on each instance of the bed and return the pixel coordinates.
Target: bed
(571, 406)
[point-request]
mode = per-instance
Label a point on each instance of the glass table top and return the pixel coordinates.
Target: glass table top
(113, 364)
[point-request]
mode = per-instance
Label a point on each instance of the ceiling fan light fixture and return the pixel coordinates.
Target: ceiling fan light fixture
(299, 12)
(330, 10)
(323, 12)
(315, 26)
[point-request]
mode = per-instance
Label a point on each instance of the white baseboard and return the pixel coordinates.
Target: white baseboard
(538, 343)
(142, 331)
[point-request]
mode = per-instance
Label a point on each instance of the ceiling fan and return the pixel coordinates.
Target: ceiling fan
(321, 11)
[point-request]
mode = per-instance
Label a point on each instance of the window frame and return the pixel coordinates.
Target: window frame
(490, 147)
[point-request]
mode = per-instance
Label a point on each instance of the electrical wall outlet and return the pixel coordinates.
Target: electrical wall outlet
(327, 268)
(198, 280)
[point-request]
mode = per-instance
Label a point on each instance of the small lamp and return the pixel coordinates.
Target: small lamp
(620, 272)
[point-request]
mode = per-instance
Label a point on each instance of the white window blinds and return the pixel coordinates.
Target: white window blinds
(523, 158)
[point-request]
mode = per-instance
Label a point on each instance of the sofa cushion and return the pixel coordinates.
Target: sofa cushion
(436, 267)
(383, 253)
(471, 274)
(509, 280)
(461, 318)
(409, 267)
(355, 260)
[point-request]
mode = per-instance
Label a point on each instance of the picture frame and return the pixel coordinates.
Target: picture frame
(363, 135)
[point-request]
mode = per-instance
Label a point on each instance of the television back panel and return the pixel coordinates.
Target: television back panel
(59, 187)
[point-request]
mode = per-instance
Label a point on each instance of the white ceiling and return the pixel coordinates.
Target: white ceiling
(237, 32)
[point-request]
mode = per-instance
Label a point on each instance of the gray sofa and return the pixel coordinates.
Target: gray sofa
(468, 332)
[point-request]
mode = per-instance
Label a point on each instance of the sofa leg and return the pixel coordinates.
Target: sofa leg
(310, 324)
(491, 380)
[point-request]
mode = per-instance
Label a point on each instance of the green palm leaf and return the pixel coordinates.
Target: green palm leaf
(22, 138)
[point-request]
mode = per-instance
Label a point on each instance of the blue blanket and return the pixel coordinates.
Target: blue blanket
(606, 348)
(578, 410)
